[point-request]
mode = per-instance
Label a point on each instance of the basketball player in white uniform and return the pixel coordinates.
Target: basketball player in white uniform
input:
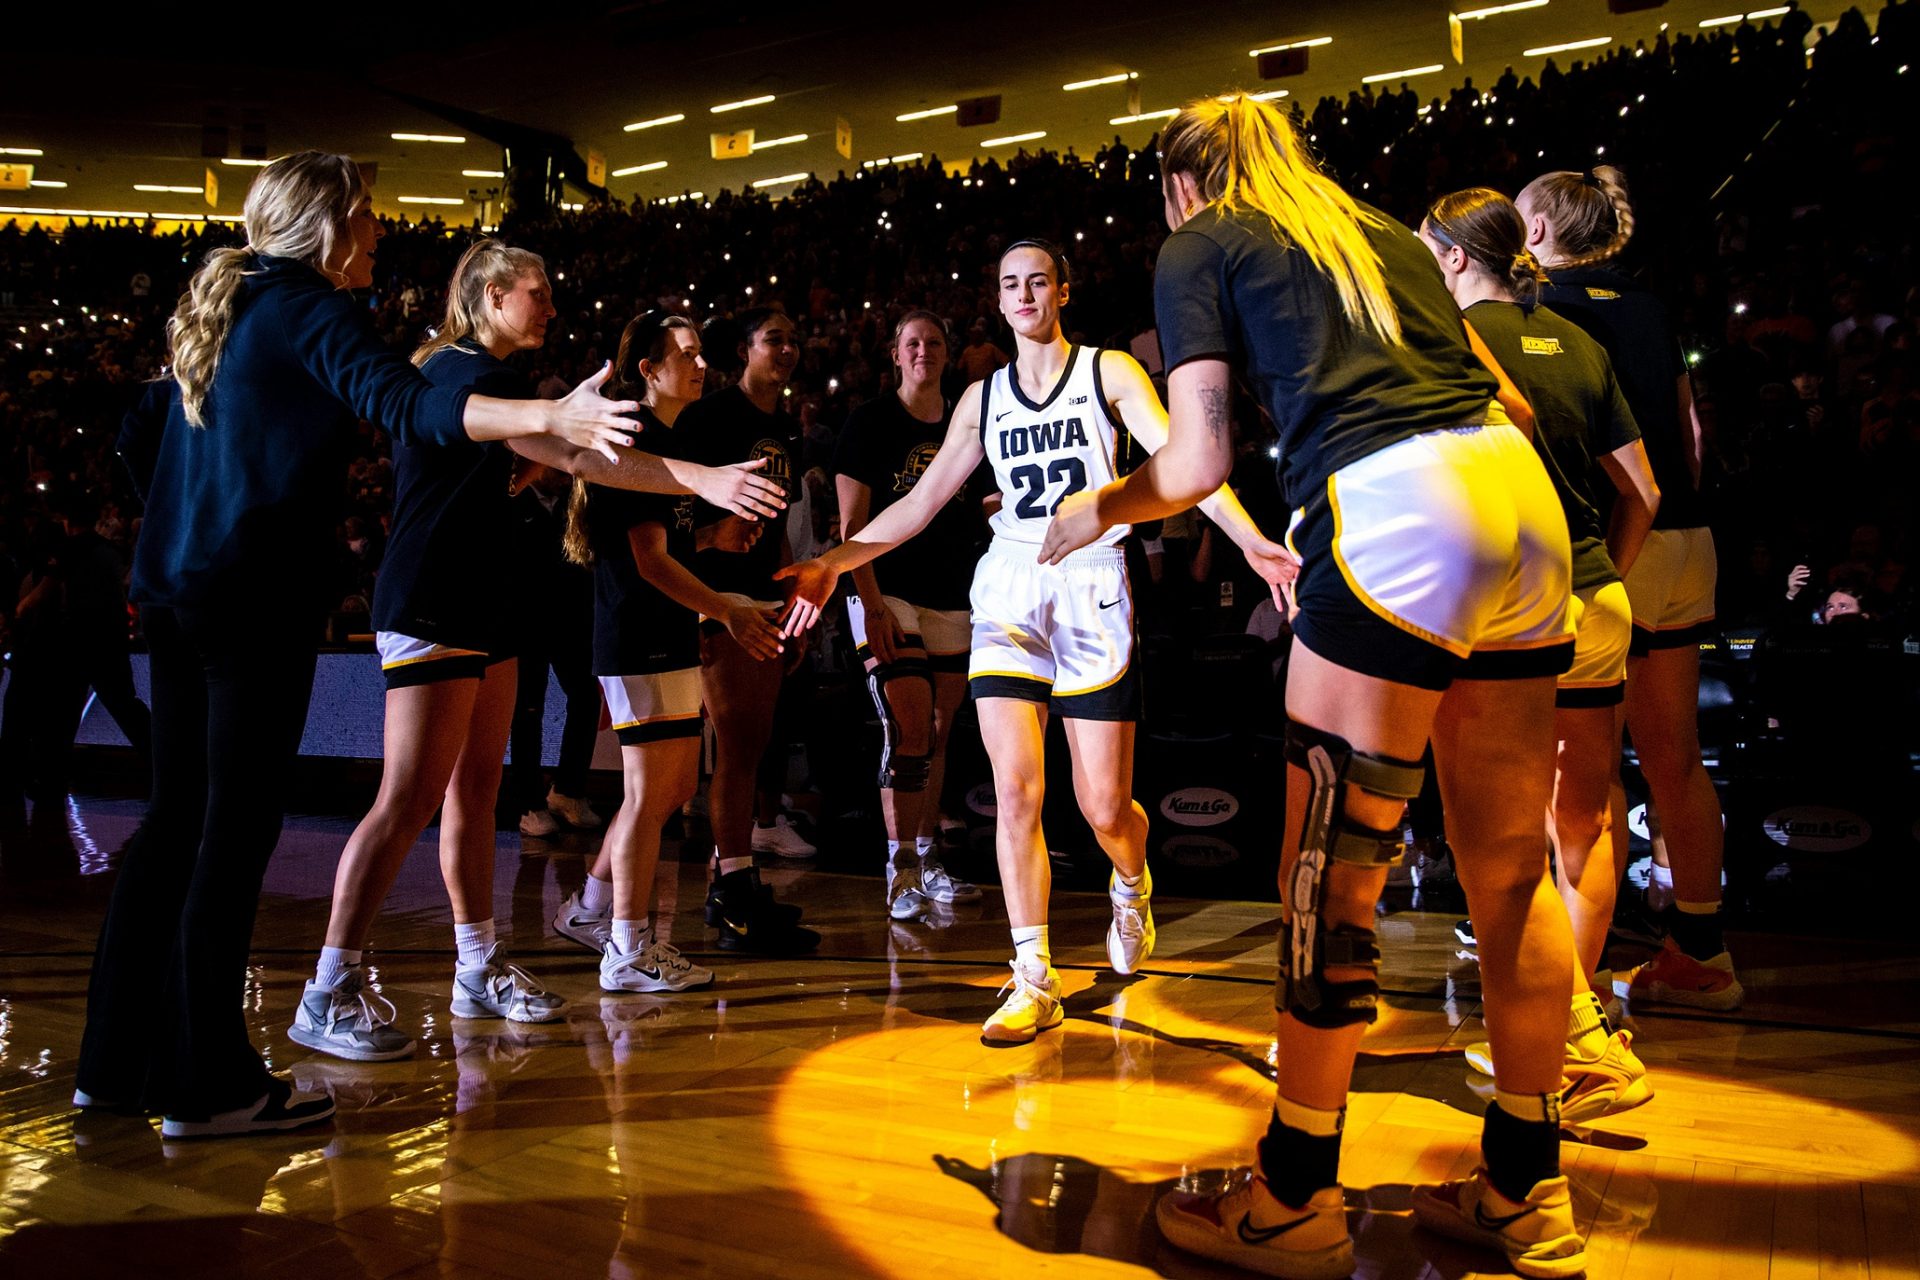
(1046, 638)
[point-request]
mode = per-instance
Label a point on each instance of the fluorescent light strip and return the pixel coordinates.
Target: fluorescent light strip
(1721, 22)
(426, 137)
(654, 123)
(1269, 96)
(686, 195)
(109, 213)
(1745, 17)
(762, 100)
(783, 179)
(1120, 78)
(1474, 14)
(429, 200)
(1408, 74)
(1314, 43)
(21, 151)
(45, 182)
(929, 113)
(482, 173)
(1568, 47)
(1012, 138)
(908, 158)
(1168, 114)
(779, 142)
(232, 163)
(648, 167)
(172, 191)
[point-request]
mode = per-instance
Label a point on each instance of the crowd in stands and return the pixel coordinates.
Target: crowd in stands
(1764, 161)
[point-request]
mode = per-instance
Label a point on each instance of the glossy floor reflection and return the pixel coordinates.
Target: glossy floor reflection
(837, 1116)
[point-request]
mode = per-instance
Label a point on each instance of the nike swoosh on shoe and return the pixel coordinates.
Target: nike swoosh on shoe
(1502, 1223)
(1262, 1235)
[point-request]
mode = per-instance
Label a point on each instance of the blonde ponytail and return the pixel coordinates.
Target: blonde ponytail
(573, 543)
(1590, 214)
(485, 263)
(297, 208)
(1246, 155)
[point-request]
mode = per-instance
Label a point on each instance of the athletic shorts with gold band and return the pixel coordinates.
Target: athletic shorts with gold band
(945, 634)
(654, 707)
(714, 626)
(1059, 634)
(1602, 632)
(1671, 587)
(1442, 557)
(406, 661)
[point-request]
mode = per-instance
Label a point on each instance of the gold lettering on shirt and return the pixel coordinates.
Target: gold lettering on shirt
(1601, 293)
(1541, 346)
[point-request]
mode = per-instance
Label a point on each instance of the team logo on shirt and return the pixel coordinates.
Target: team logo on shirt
(1602, 294)
(683, 513)
(919, 458)
(1541, 346)
(779, 462)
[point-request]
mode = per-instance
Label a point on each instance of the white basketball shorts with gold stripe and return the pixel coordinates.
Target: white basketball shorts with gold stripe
(653, 707)
(1058, 634)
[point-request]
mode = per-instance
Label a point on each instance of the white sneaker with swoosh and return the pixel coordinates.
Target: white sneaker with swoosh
(1249, 1227)
(1538, 1234)
(658, 966)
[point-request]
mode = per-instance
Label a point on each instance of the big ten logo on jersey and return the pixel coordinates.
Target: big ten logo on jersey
(779, 466)
(918, 459)
(1043, 487)
(1533, 346)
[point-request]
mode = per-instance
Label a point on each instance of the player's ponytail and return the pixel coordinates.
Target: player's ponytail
(485, 263)
(573, 543)
(1485, 225)
(1588, 214)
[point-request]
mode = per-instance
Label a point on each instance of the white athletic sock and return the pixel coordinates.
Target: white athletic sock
(631, 935)
(727, 866)
(474, 941)
(1140, 886)
(334, 961)
(893, 853)
(596, 896)
(1662, 876)
(1032, 949)
(923, 847)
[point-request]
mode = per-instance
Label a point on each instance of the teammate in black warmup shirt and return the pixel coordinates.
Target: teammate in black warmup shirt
(1577, 224)
(745, 421)
(441, 608)
(646, 653)
(1583, 426)
(1432, 598)
(909, 614)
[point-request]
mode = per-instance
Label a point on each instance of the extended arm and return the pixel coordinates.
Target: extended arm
(756, 633)
(734, 487)
(1632, 517)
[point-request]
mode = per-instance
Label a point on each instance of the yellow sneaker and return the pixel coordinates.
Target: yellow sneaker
(1606, 1085)
(1033, 1007)
(1537, 1234)
(1247, 1226)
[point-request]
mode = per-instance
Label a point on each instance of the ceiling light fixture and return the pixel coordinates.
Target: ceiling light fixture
(1408, 74)
(173, 191)
(789, 140)
(236, 163)
(1473, 15)
(654, 123)
(426, 137)
(1314, 43)
(1012, 138)
(947, 110)
(783, 179)
(429, 200)
(762, 100)
(648, 167)
(482, 173)
(1168, 114)
(1569, 46)
(1120, 78)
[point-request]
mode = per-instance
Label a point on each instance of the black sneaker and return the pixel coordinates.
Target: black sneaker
(748, 918)
(1463, 930)
(781, 913)
(281, 1109)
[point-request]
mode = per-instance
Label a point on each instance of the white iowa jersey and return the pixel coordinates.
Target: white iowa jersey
(1043, 452)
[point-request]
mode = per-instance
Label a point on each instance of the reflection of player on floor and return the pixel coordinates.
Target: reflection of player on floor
(1433, 599)
(1047, 638)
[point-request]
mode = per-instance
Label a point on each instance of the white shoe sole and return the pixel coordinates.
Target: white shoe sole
(1335, 1262)
(1116, 949)
(652, 986)
(319, 1043)
(911, 905)
(171, 1128)
(466, 1007)
(1013, 1041)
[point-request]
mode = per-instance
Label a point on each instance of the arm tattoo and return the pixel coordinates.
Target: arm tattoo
(1213, 407)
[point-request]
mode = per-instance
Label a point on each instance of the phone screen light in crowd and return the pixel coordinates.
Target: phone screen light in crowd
(773, 279)
(786, 391)
(649, 167)
(749, 291)
(760, 101)
(928, 113)
(1591, 42)
(427, 137)
(1314, 43)
(561, 276)
(783, 179)
(1078, 235)
(1739, 308)
(1407, 74)
(449, 200)
(1120, 78)
(937, 206)
(1168, 114)
(787, 141)
(1693, 358)
(21, 151)
(866, 306)
(1273, 451)
(173, 191)
(833, 385)
(236, 162)
(654, 123)
(956, 275)
(1012, 138)
(1473, 15)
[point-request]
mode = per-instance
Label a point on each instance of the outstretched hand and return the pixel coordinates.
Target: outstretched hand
(813, 585)
(1277, 567)
(740, 490)
(586, 419)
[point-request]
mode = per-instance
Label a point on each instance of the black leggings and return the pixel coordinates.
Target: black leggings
(165, 1024)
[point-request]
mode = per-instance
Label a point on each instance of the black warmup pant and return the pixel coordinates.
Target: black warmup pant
(570, 655)
(165, 1024)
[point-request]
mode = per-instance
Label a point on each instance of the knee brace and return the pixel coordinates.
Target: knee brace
(1310, 945)
(898, 771)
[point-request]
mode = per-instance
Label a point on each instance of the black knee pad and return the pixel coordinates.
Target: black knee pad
(1327, 1005)
(899, 772)
(1335, 767)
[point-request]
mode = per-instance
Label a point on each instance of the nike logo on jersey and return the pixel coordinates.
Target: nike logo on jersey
(1491, 1223)
(1108, 604)
(1003, 413)
(1042, 437)
(1250, 1234)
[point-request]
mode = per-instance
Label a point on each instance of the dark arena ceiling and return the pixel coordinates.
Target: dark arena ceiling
(119, 102)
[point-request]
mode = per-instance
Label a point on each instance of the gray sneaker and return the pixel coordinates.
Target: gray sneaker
(349, 1021)
(582, 926)
(497, 989)
(942, 886)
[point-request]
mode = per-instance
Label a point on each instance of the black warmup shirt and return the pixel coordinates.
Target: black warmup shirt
(1579, 411)
(887, 449)
(636, 629)
(1228, 286)
(442, 578)
(1632, 325)
(722, 429)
